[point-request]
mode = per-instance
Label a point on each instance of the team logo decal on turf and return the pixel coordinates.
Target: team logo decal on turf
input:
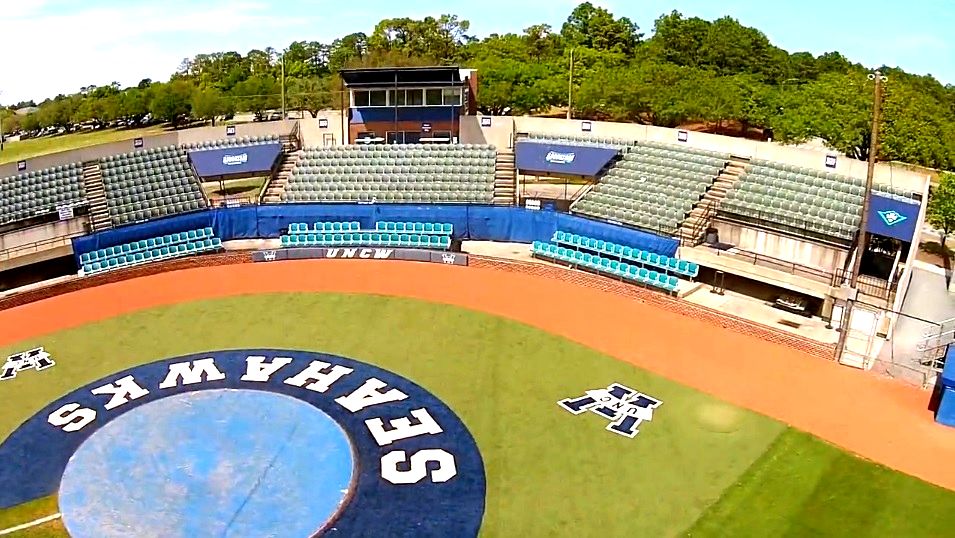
(36, 359)
(622, 406)
(415, 468)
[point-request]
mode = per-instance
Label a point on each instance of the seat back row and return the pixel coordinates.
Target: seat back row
(616, 268)
(629, 254)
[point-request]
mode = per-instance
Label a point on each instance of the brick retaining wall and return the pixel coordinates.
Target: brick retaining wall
(581, 278)
(45, 292)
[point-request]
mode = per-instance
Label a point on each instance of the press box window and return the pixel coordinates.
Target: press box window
(378, 98)
(432, 98)
(452, 96)
(360, 98)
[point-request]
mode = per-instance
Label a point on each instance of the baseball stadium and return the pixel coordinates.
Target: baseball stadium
(414, 318)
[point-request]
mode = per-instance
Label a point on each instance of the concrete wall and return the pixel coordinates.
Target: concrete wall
(500, 134)
(43, 233)
(885, 173)
(170, 138)
(800, 251)
(315, 136)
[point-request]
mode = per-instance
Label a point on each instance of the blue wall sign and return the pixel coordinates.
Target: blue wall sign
(562, 159)
(893, 217)
(235, 159)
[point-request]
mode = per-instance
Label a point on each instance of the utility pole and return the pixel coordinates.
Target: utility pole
(879, 78)
(284, 114)
(570, 87)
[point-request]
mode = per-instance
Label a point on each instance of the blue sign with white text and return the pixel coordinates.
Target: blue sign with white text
(562, 159)
(892, 217)
(235, 160)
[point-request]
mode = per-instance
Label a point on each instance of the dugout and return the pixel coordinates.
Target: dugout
(407, 105)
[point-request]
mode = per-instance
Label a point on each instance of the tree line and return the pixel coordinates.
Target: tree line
(718, 73)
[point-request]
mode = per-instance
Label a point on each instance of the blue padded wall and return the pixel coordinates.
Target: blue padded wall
(475, 223)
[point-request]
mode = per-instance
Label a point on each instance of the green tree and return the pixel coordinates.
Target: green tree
(258, 94)
(208, 104)
(596, 28)
(941, 206)
(312, 94)
(172, 101)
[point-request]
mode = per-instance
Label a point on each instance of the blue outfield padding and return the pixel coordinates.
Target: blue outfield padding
(469, 223)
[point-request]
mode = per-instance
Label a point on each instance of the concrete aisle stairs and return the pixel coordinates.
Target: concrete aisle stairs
(505, 178)
(96, 194)
(272, 192)
(694, 226)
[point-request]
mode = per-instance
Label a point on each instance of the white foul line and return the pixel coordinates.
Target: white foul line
(33, 523)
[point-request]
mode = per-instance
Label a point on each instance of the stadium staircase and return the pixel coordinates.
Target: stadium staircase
(505, 178)
(694, 226)
(272, 192)
(96, 195)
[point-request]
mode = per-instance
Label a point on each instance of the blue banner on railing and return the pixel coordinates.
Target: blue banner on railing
(235, 160)
(562, 159)
(893, 217)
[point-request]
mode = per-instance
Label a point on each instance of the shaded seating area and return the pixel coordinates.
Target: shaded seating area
(798, 199)
(150, 184)
(158, 248)
(627, 272)
(434, 236)
(653, 187)
(394, 173)
(35, 193)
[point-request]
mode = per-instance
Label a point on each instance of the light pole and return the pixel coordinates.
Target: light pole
(283, 86)
(570, 86)
(879, 78)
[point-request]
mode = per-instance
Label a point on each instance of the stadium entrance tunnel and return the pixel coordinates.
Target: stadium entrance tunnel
(250, 443)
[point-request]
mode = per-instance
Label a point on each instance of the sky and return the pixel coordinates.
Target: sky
(49, 47)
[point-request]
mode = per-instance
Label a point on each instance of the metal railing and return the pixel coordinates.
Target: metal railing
(793, 268)
(36, 246)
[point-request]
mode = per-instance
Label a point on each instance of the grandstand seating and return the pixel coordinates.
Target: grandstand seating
(40, 192)
(792, 197)
(627, 254)
(601, 264)
(394, 173)
(149, 184)
(386, 234)
(653, 187)
(238, 141)
(571, 140)
(150, 250)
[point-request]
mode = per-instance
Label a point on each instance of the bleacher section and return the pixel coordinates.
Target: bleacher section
(614, 260)
(149, 250)
(653, 187)
(627, 254)
(394, 173)
(228, 142)
(799, 199)
(40, 192)
(150, 184)
(435, 236)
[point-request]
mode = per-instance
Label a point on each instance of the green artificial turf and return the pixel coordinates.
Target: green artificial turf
(805, 487)
(549, 473)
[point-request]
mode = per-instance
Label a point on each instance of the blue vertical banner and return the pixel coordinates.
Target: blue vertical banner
(893, 217)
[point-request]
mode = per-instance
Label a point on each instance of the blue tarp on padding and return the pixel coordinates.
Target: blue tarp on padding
(235, 159)
(946, 408)
(948, 374)
(154, 228)
(893, 218)
(475, 223)
(562, 159)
